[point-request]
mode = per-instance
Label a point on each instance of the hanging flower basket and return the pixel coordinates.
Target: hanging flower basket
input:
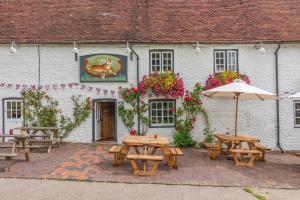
(162, 84)
(223, 78)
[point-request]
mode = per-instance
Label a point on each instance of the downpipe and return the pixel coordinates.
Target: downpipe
(137, 83)
(277, 100)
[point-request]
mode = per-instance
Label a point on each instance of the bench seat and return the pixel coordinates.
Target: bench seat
(213, 150)
(8, 157)
(115, 149)
(119, 153)
(263, 150)
(145, 157)
(245, 151)
(240, 161)
(176, 151)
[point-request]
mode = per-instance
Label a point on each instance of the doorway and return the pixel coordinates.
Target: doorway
(12, 114)
(104, 120)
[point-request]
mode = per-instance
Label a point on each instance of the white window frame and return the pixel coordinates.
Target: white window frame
(14, 111)
(164, 113)
(166, 59)
(228, 62)
(295, 117)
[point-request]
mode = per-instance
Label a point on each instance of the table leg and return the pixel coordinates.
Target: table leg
(154, 150)
(251, 161)
(137, 150)
(24, 149)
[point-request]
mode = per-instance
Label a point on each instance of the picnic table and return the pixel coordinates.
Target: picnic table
(150, 142)
(233, 142)
(147, 143)
(15, 148)
(47, 135)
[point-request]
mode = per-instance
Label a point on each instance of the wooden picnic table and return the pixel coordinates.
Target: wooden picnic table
(233, 142)
(149, 141)
(15, 151)
(146, 141)
(49, 135)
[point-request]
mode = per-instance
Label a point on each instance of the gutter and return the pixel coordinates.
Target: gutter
(137, 83)
(277, 100)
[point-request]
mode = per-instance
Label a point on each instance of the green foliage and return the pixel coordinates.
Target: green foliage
(186, 117)
(183, 139)
(41, 110)
(127, 115)
(81, 111)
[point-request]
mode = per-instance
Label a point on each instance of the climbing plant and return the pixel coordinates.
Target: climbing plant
(133, 110)
(40, 109)
(187, 115)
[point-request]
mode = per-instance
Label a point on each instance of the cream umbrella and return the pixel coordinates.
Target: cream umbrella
(239, 90)
(297, 95)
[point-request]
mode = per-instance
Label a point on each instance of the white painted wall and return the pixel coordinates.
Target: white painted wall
(256, 118)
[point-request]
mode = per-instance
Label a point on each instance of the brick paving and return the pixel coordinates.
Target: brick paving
(91, 162)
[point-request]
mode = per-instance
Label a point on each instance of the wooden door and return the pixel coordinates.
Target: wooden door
(107, 117)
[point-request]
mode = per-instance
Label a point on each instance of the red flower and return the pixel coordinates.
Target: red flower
(173, 110)
(132, 132)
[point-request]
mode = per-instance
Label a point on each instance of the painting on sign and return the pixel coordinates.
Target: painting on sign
(103, 68)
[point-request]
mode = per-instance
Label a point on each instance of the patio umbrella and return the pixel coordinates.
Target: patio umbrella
(239, 90)
(297, 95)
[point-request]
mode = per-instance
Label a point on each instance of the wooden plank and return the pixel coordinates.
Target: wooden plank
(298, 154)
(246, 151)
(8, 154)
(144, 157)
(115, 149)
(261, 147)
(134, 140)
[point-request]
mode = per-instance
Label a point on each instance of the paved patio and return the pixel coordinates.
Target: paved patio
(93, 163)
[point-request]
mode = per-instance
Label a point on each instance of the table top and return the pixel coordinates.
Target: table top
(38, 128)
(238, 138)
(149, 140)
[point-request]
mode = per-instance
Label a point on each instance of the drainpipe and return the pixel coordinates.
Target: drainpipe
(137, 83)
(39, 65)
(277, 100)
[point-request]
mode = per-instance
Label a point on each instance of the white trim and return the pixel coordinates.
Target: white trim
(295, 117)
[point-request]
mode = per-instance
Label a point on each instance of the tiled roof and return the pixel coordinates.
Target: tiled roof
(166, 21)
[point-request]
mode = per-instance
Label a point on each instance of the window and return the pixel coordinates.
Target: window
(226, 60)
(297, 113)
(161, 113)
(13, 110)
(161, 60)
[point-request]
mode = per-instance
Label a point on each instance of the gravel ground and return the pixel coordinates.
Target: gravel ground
(33, 189)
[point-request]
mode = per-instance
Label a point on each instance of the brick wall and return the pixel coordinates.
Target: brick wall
(255, 118)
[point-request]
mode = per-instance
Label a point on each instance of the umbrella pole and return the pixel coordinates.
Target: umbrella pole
(236, 112)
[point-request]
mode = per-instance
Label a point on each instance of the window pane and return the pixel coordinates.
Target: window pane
(297, 106)
(219, 61)
(297, 113)
(8, 105)
(155, 61)
(14, 105)
(159, 105)
(167, 61)
(231, 60)
(8, 114)
(297, 121)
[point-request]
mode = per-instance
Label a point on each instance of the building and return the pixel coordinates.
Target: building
(163, 34)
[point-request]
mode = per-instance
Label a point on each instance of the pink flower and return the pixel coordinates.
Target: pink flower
(173, 110)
